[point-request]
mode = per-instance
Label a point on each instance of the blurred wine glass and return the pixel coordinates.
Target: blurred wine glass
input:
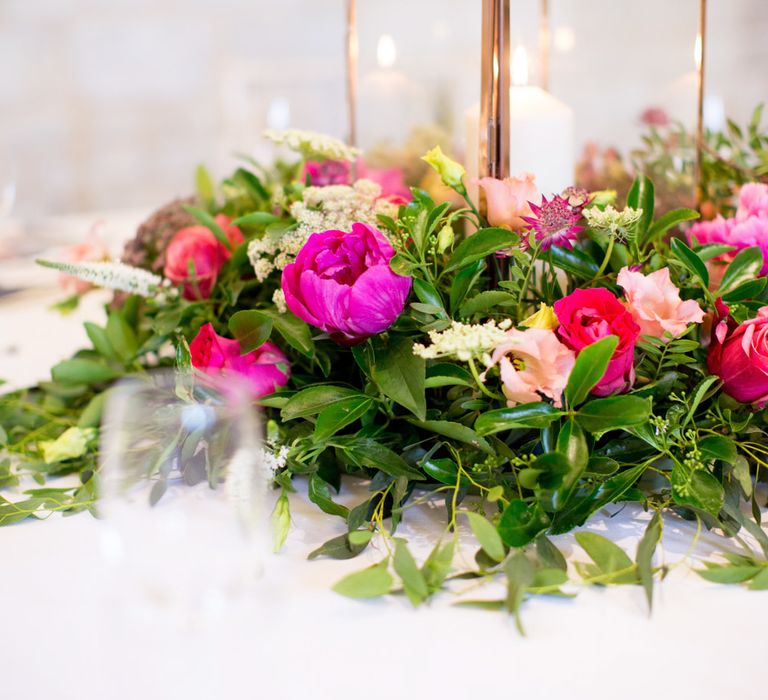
(183, 492)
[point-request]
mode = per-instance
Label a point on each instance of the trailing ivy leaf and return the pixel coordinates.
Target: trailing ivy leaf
(340, 547)
(528, 415)
(281, 521)
(341, 414)
(745, 267)
(644, 558)
(320, 494)
(251, 328)
(438, 564)
(413, 579)
(692, 262)
(612, 564)
(600, 415)
(727, 573)
(400, 374)
(589, 369)
(520, 575)
(372, 582)
(487, 535)
(454, 431)
(522, 523)
(480, 244)
(314, 399)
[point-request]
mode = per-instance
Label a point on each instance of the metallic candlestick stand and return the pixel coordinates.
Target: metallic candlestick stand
(351, 60)
(700, 63)
(545, 41)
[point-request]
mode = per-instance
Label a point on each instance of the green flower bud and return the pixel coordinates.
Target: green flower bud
(451, 172)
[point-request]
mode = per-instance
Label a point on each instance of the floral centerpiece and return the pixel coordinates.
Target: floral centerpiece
(529, 365)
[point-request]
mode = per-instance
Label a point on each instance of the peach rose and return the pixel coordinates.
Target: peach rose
(655, 303)
(508, 199)
(533, 362)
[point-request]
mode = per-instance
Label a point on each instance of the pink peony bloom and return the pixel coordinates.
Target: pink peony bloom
(587, 315)
(391, 181)
(533, 362)
(92, 249)
(753, 200)
(194, 257)
(263, 369)
(341, 283)
(738, 354)
(322, 173)
(509, 200)
(655, 303)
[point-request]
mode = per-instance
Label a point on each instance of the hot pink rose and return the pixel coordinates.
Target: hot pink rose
(263, 369)
(194, 257)
(655, 303)
(533, 362)
(90, 250)
(508, 199)
(587, 315)
(341, 283)
(738, 354)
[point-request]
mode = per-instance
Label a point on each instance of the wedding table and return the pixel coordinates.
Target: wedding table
(70, 631)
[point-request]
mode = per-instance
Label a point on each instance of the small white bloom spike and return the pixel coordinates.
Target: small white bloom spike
(311, 144)
(111, 275)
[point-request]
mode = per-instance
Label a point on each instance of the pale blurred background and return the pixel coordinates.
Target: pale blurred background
(107, 106)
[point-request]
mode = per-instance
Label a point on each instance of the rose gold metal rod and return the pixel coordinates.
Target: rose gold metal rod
(494, 90)
(352, 52)
(701, 58)
(544, 43)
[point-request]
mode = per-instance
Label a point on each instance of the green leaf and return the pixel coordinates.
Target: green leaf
(281, 521)
(549, 555)
(447, 374)
(760, 581)
(480, 244)
(528, 415)
(455, 431)
(692, 262)
(698, 489)
(369, 453)
(667, 221)
(729, 574)
(320, 494)
(610, 560)
(252, 183)
(589, 369)
(339, 415)
(644, 558)
(482, 302)
(747, 290)
(251, 328)
(698, 395)
(294, 331)
(341, 547)
(438, 564)
(209, 222)
(314, 399)
(98, 337)
(745, 267)
(81, 371)
(487, 535)
(413, 579)
(400, 374)
(613, 412)
(573, 261)
(463, 281)
(427, 294)
(718, 447)
(520, 575)
(256, 218)
(91, 415)
(443, 470)
(641, 196)
(206, 190)
(522, 523)
(372, 582)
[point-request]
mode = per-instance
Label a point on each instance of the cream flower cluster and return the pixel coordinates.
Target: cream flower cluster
(274, 458)
(334, 207)
(610, 220)
(464, 341)
(312, 144)
(111, 275)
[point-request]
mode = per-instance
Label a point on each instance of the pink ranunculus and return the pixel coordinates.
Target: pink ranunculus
(341, 283)
(587, 315)
(753, 200)
(655, 303)
(533, 362)
(508, 199)
(738, 354)
(322, 173)
(391, 181)
(263, 369)
(194, 257)
(92, 249)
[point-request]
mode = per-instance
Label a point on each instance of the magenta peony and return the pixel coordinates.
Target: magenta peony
(655, 303)
(263, 369)
(587, 315)
(194, 257)
(342, 283)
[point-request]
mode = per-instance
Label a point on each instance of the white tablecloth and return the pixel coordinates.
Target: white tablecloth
(70, 630)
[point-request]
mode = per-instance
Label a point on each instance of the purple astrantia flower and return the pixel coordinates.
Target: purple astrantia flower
(341, 283)
(554, 222)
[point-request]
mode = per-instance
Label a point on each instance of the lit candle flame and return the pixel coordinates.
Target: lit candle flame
(386, 51)
(697, 52)
(520, 66)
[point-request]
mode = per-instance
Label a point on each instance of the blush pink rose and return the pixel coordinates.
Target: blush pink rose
(92, 249)
(341, 283)
(263, 369)
(738, 354)
(753, 200)
(533, 363)
(655, 303)
(586, 316)
(194, 257)
(509, 200)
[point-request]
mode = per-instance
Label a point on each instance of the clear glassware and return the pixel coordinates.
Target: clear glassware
(184, 493)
